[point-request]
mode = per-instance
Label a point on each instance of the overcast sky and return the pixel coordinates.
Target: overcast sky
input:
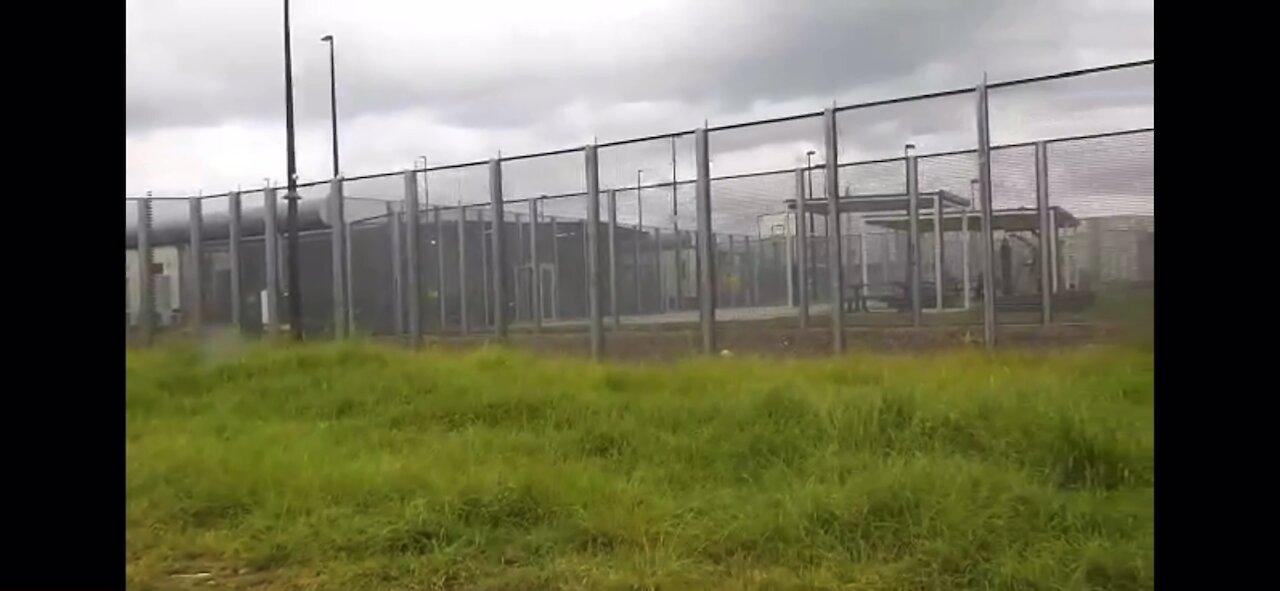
(459, 81)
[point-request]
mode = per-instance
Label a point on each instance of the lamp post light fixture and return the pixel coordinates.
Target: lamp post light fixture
(333, 101)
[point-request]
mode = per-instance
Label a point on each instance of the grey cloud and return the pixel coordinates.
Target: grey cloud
(723, 58)
(716, 59)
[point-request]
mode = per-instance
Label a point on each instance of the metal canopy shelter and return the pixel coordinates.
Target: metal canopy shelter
(1007, 220)
(880, 203)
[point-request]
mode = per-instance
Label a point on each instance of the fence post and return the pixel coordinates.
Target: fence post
(233, 253)
(397, 269)
(862, 259)
(499, 255)
(338, 243)
(938, 249)
(755, 269)
(520, 294)
(146, 282)
(348, 284)
(613, 259)
(586, 278)
(195, 262)
(441, 282)
(1055, 251)
(555, 268)
(988, 230)
(706, 244)
(657, 271)
(802, 251)
(913, 240)
(889, 244)
(835, 253)
(789, 247)
(638, 296)
(464, 324)
(697, 250)
(1047, 234)
(595, 319)
(271, 256)
(535, 278)
(731, 270)
(965, 245)
(413, 250)
(680, 262)
(424, 219)
(486, 276)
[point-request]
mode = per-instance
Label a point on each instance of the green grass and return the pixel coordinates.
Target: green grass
(356, 467)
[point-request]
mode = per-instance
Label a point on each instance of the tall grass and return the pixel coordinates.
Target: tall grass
(358, 467)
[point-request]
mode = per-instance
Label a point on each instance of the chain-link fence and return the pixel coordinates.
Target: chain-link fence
(858, 217)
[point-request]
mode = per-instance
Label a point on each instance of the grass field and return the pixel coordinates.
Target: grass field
(357, 467)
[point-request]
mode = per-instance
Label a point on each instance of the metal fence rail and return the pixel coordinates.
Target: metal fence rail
(861, 215)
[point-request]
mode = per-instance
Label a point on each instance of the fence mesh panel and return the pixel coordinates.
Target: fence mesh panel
(753, 194)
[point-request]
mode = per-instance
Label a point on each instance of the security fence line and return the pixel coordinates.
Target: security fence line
(521, 255)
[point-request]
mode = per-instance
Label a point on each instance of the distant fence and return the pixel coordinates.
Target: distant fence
(820, 219)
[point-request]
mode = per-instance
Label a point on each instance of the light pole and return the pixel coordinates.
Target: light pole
(291, 196)
(333, 102)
